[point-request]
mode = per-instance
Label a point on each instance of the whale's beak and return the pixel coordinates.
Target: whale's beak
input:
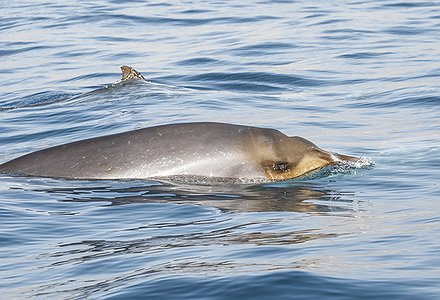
(313, 161)
(332, 158)
(343, 157)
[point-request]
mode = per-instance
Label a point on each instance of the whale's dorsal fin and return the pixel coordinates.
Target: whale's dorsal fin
(129, 73)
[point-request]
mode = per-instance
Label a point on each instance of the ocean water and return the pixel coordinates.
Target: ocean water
(355, 77)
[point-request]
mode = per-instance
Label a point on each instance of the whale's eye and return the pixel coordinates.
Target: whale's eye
(280, 166)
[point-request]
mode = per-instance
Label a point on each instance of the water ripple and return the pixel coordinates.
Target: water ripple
(359, 77)
(254, 80)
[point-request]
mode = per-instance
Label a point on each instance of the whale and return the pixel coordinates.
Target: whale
(210, 150)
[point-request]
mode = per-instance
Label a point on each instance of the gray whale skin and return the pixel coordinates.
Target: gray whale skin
(205, 149)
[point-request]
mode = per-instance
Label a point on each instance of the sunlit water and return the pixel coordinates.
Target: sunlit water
(359, 78)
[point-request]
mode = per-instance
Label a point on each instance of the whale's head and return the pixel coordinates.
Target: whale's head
(292, 157)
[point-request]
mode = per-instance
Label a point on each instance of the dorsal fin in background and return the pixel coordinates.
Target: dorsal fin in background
(129, 73)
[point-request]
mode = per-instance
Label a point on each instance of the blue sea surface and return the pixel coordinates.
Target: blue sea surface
(355, 77)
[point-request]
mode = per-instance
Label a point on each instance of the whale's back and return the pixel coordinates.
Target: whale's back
(193, 148)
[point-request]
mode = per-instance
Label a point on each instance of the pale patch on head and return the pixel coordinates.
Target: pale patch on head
(304, 162)
(265, 140)
(334, 157)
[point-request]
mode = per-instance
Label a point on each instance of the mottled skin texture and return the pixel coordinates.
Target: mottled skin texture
(189, 149)
(130, 73)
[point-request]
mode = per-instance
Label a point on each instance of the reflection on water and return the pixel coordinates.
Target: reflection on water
(359, 78)
(308, 198)
(285, 197)
(98, 249)
(246, 221)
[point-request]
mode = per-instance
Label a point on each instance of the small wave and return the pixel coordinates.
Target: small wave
(254, 81)
(409, 102)
(262, 49)
(37, 99)
(408, 4)
(199, 61)
(364, 55)
(406, 30)
(10, 52)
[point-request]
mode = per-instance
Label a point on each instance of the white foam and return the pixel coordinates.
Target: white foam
(361, 162)
(347, 167)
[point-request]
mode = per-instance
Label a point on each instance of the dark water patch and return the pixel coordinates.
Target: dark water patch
(275, 1)
(352, 31)
(410, 4)
(354, 81)
(333, 124)
(302, 284)
(39, 136)
(364, 55)
(246, 87)
(115, 39)
(406, 30)
(38, 19)
(249, 53)
(122, 56)
(17, 43)
(87, 76)
(136, 19)
(42, 98)
(75, 54)
(331, 21)
(196, 11)
(156, 4)
(315, 15)
(432, 74)
(409, 102)
(9, 23)
(266, 46)
(342, 38)
(256, 77)
(11, 52)
(199, 61)
(53, 135)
